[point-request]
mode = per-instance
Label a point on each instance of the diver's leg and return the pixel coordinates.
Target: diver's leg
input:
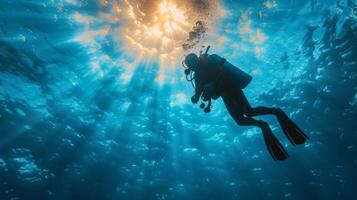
(241, 100)
(248, 110)
(261, 110)
(236, 111)
(290, 129)
(242, 120)
(275, 148)
(273, 145)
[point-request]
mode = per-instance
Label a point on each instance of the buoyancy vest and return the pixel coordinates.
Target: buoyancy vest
(230, 74)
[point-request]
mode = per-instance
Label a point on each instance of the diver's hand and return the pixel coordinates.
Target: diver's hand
(194, 99)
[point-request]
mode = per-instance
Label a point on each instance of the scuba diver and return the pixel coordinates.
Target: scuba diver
(213, 76)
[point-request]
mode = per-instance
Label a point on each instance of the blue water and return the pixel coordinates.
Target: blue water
(84, 116)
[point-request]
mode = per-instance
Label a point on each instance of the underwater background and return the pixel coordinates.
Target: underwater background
(94, 103)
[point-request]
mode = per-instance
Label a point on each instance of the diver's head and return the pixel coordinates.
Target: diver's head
(191, 61)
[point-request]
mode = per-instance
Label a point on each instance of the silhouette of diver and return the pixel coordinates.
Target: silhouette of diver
(213, 77)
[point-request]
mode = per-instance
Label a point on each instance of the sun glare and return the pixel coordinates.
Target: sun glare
(152, 31)
(159, 34)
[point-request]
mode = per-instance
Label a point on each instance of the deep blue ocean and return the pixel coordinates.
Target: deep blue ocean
(94, 103)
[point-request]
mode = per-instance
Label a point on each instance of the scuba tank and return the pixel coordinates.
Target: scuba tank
(231, 73)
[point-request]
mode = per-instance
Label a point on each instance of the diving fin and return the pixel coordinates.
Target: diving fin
(291, 130)
(273, 145)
